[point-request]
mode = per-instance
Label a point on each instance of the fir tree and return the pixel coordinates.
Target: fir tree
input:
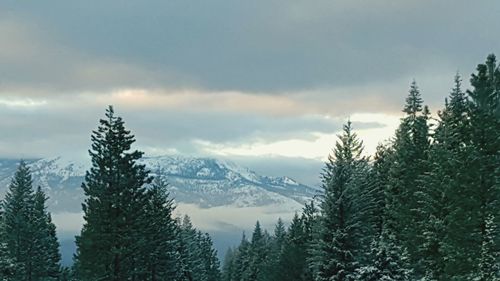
(292, 264)
(46, 265)
(258, 255)
(159, 241)
(338, 239)
(7, 263)
(115, 198)
(489, 267)
(483, 159)
(410, 152)
(240, 261)
(275, 250)
(389, 261)
(28, 234)
(18, 222)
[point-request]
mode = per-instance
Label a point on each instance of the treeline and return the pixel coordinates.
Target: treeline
(425, 207)
(129, 232)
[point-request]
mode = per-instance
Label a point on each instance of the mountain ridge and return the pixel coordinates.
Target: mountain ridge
(204, 181)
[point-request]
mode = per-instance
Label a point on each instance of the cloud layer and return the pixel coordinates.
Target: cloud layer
(246, 80)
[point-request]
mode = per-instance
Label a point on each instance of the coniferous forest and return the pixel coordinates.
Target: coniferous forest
(424, 207)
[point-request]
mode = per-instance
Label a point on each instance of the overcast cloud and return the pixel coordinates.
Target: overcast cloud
(235, 76)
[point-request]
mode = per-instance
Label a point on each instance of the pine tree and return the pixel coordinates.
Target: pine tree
(28, 236)
(275, 250)
(389, 261)
(446, 192)
(211, 264)
(46, 265)
(379, 177)
(410, 152)
(343, 210)
(159, 242)
(258, 255)
(228, 267)
(240, 261)
(115, 198)
(292, 265)
(7, 263)
(489, 267)
(483, 159)
(18, 214)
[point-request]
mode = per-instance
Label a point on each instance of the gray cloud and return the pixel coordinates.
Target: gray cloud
(261, 45)
(289, 63)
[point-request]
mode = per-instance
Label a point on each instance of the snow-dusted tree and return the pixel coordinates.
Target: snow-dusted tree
(335, 254)
(18, 222)
(7, 262)
(258, 255)
(46, 265)
(276, 244)
(197, 258)
(410, 150)
(239, 261)
(389, 261)
(489, 266)
(292, 265)
(159, 238)
(27, 231)
(483, 159)
(115, 190)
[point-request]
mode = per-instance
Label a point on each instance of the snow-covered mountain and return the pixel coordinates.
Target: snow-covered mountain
(205, 182)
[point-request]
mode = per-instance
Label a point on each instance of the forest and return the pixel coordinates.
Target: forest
(424, 207)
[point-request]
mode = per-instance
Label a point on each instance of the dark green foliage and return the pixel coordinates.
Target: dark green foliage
(129, 233)
(345, 209)
(429, 201)
(115, 196)
(292, 264)
(197, 258)
(28, 241)
(389, 262)
(159, 239)
(409, 164)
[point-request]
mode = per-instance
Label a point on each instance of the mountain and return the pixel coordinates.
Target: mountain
(204, 182)
(221, 197)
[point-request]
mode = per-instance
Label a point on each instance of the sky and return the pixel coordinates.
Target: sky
(267, 84)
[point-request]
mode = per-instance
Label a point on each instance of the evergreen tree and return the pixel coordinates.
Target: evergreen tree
(258, 255)
(46, 265)
(484, 158)
(18, 214)
(115, 198)
(275, 250)
(240, 261)
(343, 210)
(292, 264)
(389, 261)
(7, 263)
(445, 192)
(159, 242)
(410, 153)
(229, 266)
(379, 177)
(197, 258)
(489, 267)
(211, 264)
(28, 236)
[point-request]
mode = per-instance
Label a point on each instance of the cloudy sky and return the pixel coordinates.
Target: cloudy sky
(265, 83)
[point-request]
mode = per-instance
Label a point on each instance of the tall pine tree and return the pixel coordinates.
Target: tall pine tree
(115, 198)
(337, 244)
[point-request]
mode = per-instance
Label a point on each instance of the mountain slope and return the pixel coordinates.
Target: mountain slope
(205, 182)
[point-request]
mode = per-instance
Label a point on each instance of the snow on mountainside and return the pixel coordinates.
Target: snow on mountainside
(205, 182)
